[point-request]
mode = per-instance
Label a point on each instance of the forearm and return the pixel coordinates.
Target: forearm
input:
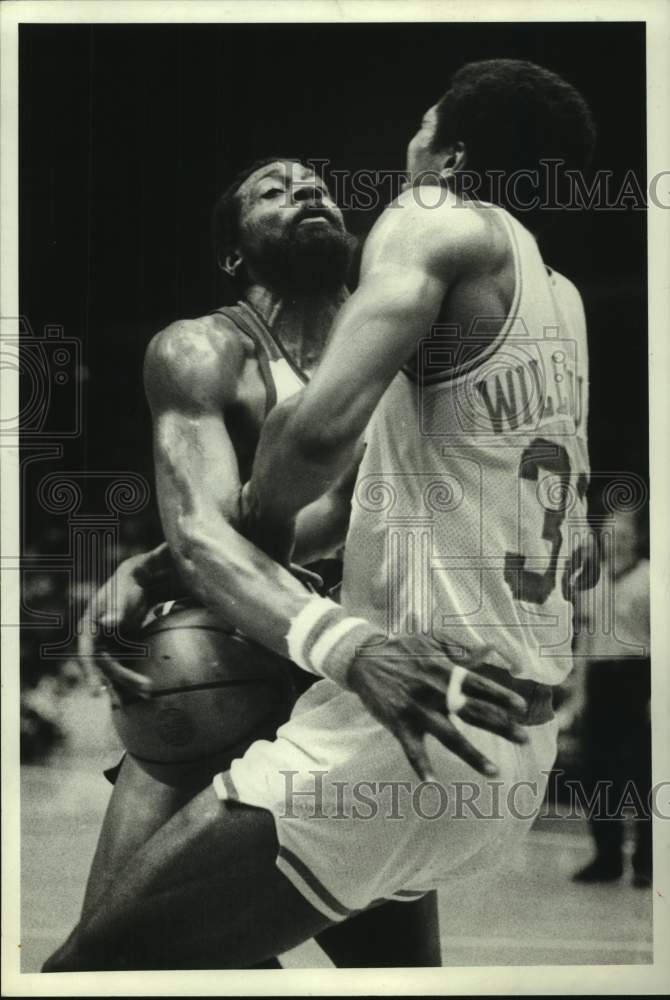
(199, 493)
(310, 439)
(262, 599)
(293, 467)
(238, 581)
(323, 510)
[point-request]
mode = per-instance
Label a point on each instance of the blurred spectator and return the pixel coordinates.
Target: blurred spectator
(51, 600)
(613, 692)
(44, 616)
(41, 728)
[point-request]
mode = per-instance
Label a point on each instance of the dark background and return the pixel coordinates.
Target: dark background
(128, 133)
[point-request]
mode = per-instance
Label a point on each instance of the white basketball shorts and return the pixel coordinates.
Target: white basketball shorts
(356, 826)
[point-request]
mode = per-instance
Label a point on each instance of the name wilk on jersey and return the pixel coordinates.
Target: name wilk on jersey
(522, 391)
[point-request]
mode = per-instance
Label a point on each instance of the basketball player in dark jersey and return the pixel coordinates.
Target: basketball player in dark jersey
(211, 383)
(417, 261)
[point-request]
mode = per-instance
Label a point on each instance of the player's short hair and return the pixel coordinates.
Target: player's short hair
(226, 214)
(511, 115)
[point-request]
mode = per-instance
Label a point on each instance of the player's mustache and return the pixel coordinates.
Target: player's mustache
(316, 211)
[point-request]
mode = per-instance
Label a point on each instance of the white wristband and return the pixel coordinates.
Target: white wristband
(322, 638)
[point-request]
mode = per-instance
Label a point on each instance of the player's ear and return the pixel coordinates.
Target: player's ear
(231, 263)
(455, 159)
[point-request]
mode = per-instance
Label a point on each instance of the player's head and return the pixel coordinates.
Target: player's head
(278, 226)
(502, 116)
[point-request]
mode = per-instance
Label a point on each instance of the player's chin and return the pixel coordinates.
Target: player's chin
(328, 244)
(321, 234)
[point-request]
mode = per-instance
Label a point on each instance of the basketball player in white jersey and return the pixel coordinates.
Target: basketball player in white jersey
(465, 527)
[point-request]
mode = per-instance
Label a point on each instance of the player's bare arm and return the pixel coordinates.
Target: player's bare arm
(148, 578)
(193, 381)
(143, 580)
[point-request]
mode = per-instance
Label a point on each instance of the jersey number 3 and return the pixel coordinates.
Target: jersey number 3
(526, 584)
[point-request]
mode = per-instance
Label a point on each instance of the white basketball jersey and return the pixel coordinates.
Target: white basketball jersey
(469, 507)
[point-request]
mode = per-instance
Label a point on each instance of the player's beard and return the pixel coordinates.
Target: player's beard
(307, 260)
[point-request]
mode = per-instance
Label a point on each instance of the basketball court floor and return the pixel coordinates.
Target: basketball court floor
(532, 915)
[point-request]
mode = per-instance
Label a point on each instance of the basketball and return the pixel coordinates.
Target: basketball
(215, 692)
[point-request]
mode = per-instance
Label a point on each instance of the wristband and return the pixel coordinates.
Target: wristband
(323, 639)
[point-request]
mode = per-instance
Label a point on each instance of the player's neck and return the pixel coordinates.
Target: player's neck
(301, 325)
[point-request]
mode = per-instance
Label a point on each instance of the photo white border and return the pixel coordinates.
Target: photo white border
(517, 980)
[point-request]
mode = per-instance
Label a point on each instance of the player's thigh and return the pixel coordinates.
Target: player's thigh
(390, 935)
(138, 807)
(206, 883)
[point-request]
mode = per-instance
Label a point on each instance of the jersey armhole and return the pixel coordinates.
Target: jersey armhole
(236, 317)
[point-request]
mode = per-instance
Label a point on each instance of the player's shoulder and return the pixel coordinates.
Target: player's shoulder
(205, 340)
(190, 357)
(430, 223)
(563, 284)
(566, 291)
